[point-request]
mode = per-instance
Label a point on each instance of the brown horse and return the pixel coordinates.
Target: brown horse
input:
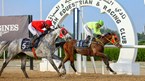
(96, 48)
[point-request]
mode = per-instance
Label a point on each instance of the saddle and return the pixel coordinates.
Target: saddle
(87, 41)
(26, 44)
(82, 43)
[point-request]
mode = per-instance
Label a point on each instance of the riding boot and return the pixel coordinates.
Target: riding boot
(87, 41)
(90, 41)
(38, 40)
(98, 36)
(33, 41)
(88, 38)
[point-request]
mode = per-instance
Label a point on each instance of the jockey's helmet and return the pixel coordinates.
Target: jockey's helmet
(101, 22)
(49, 22)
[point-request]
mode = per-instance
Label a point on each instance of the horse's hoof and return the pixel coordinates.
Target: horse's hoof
(78, 73)
(114, 73)
(64, 73)
(108, 68)
(63, 77)
(27, 77)
(60, 75)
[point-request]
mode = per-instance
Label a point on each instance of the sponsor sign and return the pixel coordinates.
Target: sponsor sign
(13, 27)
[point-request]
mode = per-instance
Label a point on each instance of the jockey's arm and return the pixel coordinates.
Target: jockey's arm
(39, 29)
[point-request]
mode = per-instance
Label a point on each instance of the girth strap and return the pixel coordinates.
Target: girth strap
(34, 53)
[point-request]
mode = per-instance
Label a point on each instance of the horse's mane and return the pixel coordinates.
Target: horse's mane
(109, 33)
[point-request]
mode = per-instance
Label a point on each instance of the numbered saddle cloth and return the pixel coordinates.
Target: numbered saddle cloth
(82, 43)
(25, 45)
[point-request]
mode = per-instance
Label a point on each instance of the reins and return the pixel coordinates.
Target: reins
(114, 43)
(101, 43)
(98, 40)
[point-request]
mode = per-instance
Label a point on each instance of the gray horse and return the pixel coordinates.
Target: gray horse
(45, 49)
(3, 46)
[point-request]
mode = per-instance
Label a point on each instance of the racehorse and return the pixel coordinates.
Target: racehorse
(45, 49)
(96, 48)
(3, 46)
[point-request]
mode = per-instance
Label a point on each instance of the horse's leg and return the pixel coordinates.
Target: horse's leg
(49, 58)
(62, 63)
(23, 64)
(66, 58)
(6, 63)
(71, 58)
(73, 66)
(106, 61)
(58, 58)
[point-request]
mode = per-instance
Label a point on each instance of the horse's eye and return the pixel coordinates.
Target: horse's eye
(64, 32)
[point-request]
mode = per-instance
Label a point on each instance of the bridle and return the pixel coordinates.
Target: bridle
(112, 40)
(63, 32)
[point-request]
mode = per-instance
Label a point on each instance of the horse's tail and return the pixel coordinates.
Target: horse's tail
(3, 46)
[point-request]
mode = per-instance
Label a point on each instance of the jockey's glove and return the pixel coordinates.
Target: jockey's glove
(45, 32)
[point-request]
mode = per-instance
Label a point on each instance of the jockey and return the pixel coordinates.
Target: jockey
(93, 28)
(39, 29)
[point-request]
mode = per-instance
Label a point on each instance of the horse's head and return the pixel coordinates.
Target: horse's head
(113, 39)
(62, 33)
(58, 32)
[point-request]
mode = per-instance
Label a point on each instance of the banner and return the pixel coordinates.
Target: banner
(13, 27)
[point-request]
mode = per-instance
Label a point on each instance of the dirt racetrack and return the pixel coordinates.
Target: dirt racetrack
(15, 74)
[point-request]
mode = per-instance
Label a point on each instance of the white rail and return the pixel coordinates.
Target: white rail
(127, 46)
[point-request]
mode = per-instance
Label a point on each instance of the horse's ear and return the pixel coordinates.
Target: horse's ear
(113, 33)
(108, 33)
(59, 26)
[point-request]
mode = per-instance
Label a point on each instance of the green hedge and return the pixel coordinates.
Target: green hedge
(141, 54)
(113, 53)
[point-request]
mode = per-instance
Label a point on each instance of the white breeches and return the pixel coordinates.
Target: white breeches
(88, 31)
(33, 30)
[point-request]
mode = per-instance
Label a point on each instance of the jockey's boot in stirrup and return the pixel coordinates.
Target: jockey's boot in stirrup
(33, 41)
(98, 36)
(87, 40)
(91, 38)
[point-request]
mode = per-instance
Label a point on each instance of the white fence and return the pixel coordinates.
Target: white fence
(127, 46)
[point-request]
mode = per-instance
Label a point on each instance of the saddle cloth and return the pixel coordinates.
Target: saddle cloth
(26, 42)
(82, 43)
(25, 45)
